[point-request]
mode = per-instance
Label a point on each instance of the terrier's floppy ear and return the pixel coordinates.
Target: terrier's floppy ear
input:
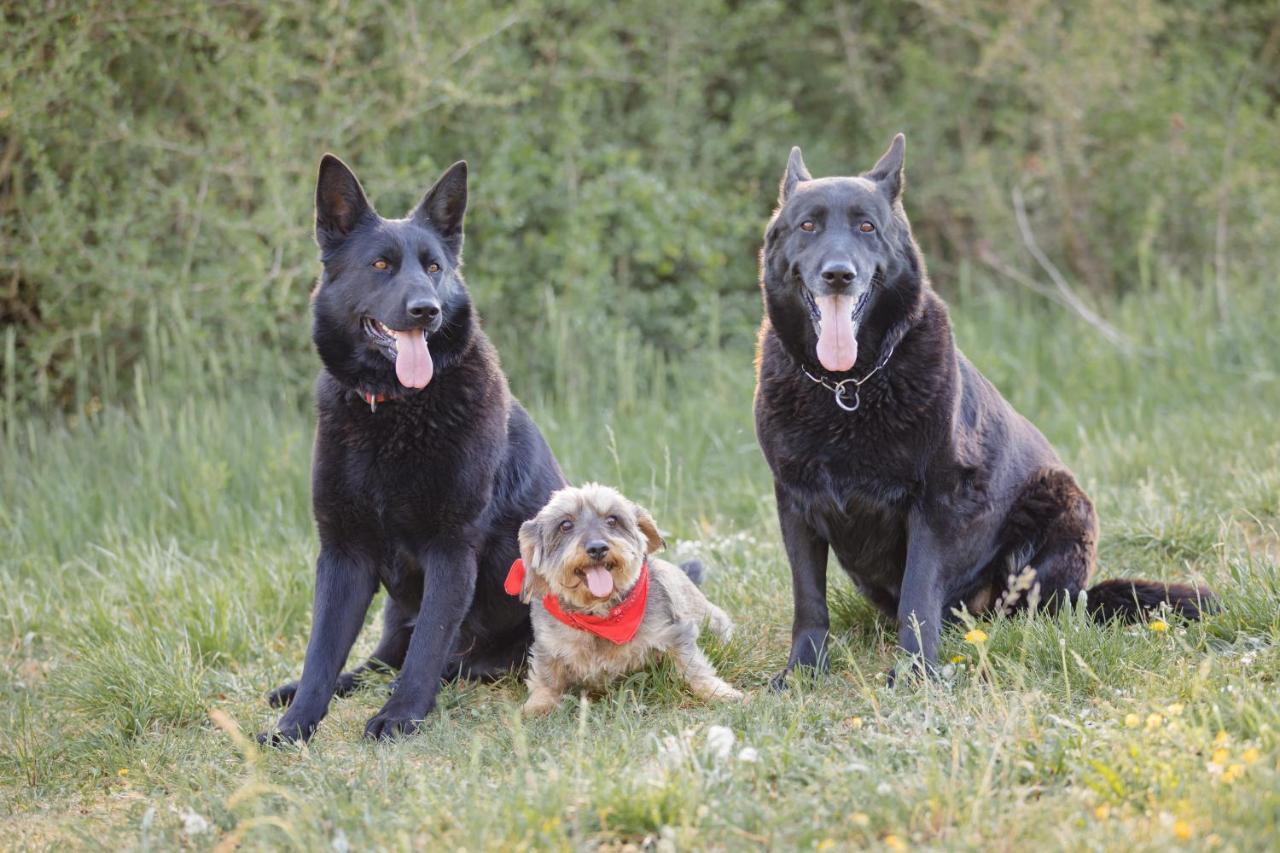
(445, 205)
(340, 202)
(531, 553)
(653, 539)
(796, 172)
(888, 170)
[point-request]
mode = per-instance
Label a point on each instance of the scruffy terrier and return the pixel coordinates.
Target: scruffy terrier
(601, 605)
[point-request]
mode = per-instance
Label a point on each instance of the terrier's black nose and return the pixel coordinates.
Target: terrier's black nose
(597, 549)
(421, 307)
(838, 274)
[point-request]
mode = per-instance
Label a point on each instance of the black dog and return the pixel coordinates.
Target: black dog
(890, 448)
(424, 465)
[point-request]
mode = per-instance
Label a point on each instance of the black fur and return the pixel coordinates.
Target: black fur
(424, 495)
(934, 493)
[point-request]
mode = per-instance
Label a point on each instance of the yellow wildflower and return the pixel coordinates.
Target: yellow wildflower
(1250, 755)
(826, 844)
(977, 636)
(1158, 625)
(1221, 737)
(958, 658)
(860, 819)
(1220, 757)
(1175, 709)
(1232, 773)
(1154, 721)
(1132, 721)
(1102, 812)
(854, 722)
(124, 771)
(1182, 830)
(893, 842)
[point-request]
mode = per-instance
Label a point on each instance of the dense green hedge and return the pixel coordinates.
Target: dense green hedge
(157, 159)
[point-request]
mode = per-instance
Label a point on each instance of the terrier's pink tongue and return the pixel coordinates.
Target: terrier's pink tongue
(837, 345)
(413, 361)
(599, 581)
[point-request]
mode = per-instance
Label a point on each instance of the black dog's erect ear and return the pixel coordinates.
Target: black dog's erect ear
(796, 172)
(888, 169)
(649, 527)
(445, 204)
(340, 202)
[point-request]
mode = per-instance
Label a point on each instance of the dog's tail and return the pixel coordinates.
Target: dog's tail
(695, 570)
(1128, 599)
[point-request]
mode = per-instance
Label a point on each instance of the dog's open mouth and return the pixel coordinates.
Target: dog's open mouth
(836, 318)
(599, 579)
(408, 349)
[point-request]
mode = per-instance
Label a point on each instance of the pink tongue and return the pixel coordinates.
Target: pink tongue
(413, 361)
(837, 346)
(599, 581)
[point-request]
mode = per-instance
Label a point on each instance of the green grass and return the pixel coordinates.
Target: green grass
(155, 575)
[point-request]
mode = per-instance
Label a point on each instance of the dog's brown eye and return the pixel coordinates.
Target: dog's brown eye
(611, 521)
(380, 264)
(866, 228)
(433, 268)
(566, 526)
(808, 226)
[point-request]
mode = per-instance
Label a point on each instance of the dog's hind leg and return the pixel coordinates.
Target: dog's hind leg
(693, 665)
(1056, 521)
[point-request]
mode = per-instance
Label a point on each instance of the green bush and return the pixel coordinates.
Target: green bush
(157, 160)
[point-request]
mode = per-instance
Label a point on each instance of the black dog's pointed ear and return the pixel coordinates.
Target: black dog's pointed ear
(889, 168)
(653, 539)
(445, 205)
(796, 172)
(340, 202)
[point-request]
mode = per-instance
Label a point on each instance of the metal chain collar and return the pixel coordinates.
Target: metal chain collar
(841, 389)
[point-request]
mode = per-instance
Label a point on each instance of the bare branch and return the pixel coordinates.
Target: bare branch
(1067, 296)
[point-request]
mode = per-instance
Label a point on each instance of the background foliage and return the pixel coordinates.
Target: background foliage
(157, 160)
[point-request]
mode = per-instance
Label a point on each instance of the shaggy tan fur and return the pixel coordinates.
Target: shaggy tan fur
(554, 546)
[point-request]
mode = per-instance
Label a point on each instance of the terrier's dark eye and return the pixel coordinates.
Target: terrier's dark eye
(380, 264)
(808, 226)
(566, 526)
(866, 228)
(433, 268)
(611, 521)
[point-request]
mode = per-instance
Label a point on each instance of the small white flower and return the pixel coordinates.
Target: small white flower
(340, 843)
(193, 823)
(749, 755)
(720, 741)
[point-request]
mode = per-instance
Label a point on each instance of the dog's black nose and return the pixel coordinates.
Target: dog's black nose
(597, 549)
(423, 308)
(838, 274)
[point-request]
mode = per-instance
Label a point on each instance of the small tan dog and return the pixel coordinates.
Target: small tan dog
(601, 606)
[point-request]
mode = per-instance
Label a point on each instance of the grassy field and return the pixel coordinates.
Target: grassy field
(155, 577)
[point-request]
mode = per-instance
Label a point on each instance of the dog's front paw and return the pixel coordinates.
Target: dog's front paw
(536, 707)
(289, 730)
(726, 693)
(393, 721)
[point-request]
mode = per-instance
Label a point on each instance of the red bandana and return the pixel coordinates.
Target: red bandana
(619, 625)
